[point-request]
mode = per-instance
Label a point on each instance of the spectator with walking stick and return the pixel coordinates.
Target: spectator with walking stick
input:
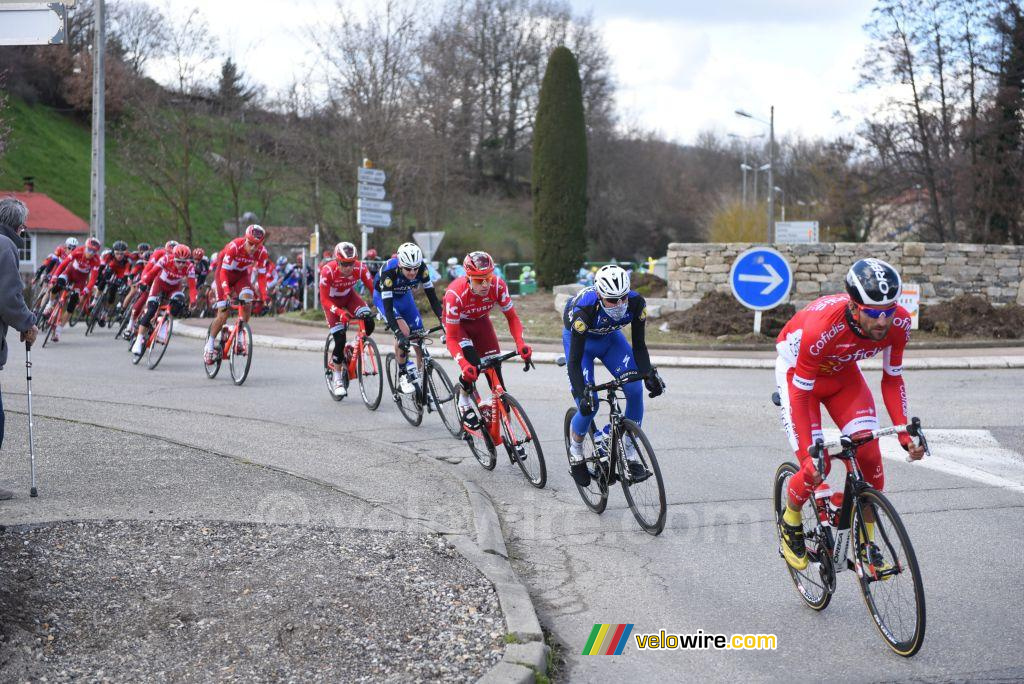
(13, 312)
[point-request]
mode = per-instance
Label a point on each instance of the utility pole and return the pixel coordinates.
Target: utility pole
(771, 181)
(97, 204)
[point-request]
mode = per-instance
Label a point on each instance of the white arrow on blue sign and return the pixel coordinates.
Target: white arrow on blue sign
(760, 278)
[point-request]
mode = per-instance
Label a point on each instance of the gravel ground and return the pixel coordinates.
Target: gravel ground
(229, 601)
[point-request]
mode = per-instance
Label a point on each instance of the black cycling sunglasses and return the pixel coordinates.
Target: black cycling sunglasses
(612, 301)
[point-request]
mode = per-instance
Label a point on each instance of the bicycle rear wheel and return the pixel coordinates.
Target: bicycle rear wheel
(240, 355)
(441, 395)
(894, 596)
(371, 379)
(329, 368)
(522, 443)
(647, 502)
(477, 438)
(817, 581)
(164, 328)
(595, 495)
(407, 404)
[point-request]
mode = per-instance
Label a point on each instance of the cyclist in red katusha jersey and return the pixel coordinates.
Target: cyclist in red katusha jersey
(170, 275)
(341, 302)
(818, 353)
(469, 335)
(242, 265)
(149, 271)
(77, 272)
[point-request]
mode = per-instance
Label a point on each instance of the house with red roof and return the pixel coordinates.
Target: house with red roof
(49, 224)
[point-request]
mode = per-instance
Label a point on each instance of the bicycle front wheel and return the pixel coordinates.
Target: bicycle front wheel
(894, 593)
(441, 395)
(646, 495)
(240, 354)
(213, 368)
(817, 581)
(371, 379)
(408, 406)
(329, 368)
(595, 495)
(522, 443)
(161, 338)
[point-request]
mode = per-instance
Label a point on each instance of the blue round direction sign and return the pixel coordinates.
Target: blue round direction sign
(760, 278)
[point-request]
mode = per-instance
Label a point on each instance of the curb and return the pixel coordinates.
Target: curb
(439, 351)
(526, 657)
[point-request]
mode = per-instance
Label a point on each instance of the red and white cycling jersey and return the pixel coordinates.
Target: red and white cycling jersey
(460, 304)
(334, 284)
(77, 266)
(818, 342)
(119, 268)
(172, 273)
(234, 257)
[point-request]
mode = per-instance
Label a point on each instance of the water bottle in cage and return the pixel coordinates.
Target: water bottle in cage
(602, 442)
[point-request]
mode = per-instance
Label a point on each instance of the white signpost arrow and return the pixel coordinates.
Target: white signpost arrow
(380, 219)
(375, 176)
(772, 280)
(373, 205)
(369, 191)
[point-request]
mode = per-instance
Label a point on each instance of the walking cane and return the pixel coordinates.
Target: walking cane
(31, 446)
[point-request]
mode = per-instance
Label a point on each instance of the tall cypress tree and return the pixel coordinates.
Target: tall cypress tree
(559, 172)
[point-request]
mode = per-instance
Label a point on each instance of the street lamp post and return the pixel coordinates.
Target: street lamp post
(783, 193)
(771, 164)
(745, 167)
(763, 167)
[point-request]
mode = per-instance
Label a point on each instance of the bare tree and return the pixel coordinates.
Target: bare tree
(140, 30)
(167, 137)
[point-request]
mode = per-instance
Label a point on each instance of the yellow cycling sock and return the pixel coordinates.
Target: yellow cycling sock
(792, 516)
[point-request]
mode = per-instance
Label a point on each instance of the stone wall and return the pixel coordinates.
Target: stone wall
(943, 270)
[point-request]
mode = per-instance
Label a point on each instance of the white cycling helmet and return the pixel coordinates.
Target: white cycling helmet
(612, 282)
(71, 242)
(410, 255)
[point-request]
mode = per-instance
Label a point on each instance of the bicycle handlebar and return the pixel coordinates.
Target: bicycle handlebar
(846, 442)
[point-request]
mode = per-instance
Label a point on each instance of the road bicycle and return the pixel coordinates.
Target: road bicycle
(159, 336)
(123, 316)
(837, 538)
(104, 310)
(433, 391)
(502, 421)
(53, 318)
(605, 454)
(362, 361)
(235, 343)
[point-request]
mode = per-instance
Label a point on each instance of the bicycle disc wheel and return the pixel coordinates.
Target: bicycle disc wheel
(328, 368)
(371, 379)
(407, 404)
(477, 438)
(595, 495)
(441, 395)
(240, 358)
(158, 348)
(895, 596)
(817, 581)
(522, 443)
(646, 498)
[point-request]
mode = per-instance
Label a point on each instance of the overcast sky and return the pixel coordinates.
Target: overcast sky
(681, 66)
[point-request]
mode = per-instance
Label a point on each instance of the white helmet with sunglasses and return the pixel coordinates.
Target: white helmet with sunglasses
(612, 282)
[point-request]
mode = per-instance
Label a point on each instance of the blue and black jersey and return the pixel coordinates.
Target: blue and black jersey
(585, 318)
(390, 282)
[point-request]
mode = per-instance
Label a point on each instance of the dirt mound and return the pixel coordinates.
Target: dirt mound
(975, 316)
(649, 285)
(718, 313)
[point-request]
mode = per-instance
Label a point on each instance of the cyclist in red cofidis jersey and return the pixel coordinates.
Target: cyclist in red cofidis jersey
(817, 365)
(241, 267)
(341, 302)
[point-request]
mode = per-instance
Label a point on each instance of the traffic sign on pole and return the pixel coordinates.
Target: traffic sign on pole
(374, 176)
(368, 191)
(429, 241)
(760, 278)
(380, 219)
(373, 205)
